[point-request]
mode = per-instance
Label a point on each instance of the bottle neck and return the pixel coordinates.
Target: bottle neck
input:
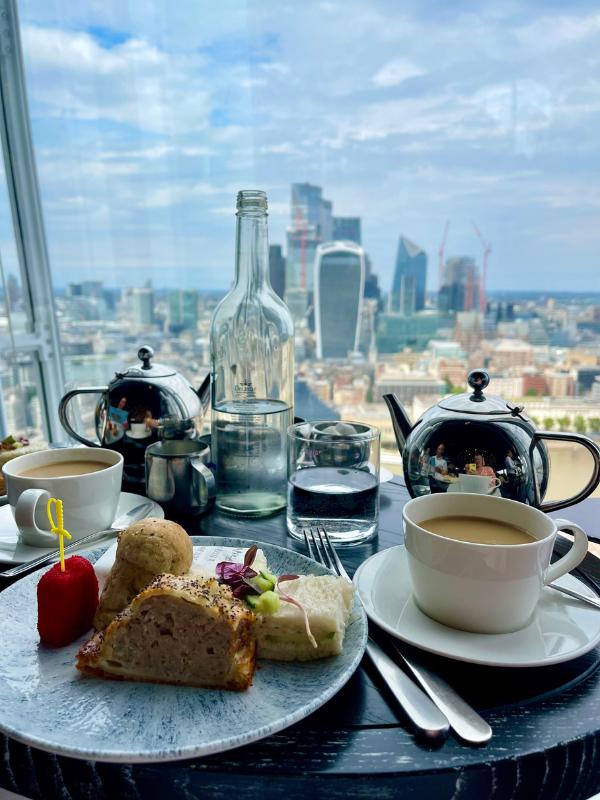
(252, 251)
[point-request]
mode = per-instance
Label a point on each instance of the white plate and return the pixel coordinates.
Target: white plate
(46, 703)
(385, 475)
(561, 628)
(13, 552)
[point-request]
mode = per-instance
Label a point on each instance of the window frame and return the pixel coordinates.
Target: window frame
(42, 339)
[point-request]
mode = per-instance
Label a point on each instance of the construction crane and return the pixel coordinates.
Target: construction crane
(487, 249)
(441, 255)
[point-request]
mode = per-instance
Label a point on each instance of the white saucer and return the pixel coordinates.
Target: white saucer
(562, 628)
(385, 475)
(13, 552)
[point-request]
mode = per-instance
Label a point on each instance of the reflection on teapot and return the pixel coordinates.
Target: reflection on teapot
(475, 434)
(141, 405)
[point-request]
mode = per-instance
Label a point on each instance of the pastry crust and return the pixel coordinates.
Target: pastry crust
(181, 630)
(146, 549)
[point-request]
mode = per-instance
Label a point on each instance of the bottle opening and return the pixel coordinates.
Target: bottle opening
(251, 200)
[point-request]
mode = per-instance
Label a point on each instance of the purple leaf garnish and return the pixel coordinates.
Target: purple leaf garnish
(237, 577)
(229, 571)
(250, 555)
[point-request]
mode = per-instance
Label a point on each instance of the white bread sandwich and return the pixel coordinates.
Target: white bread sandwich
(180, 630)
(327, 601)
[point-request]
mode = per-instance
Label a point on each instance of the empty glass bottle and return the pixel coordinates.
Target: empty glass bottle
(252, 375)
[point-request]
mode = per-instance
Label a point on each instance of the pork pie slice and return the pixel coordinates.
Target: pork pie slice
(179, 629)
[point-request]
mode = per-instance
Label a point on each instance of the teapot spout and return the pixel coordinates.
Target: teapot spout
(400, 419)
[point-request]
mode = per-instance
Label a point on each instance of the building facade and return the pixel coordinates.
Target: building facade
(277, 269)
(460, 288)
(347, 229)
(410, 276)
(339, 277)
(182, 310)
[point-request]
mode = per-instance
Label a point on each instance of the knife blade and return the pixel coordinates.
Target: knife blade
(424, 715)
(463, 719)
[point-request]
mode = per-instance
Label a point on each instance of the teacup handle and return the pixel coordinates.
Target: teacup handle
(574, 556)
(497, 484)
(29, 533)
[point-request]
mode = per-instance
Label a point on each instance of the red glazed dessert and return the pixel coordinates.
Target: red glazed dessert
(66, 601)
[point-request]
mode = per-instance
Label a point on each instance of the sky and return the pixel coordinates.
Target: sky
(149, 116)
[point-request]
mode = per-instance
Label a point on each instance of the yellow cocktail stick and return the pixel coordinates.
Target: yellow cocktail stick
(58, 528)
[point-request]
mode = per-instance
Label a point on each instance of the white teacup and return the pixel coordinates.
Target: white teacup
(139, 430)
(485, 588)
(478, 484)
(89, 500)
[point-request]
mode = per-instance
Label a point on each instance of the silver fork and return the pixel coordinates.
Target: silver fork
(463, 719)
(424, 715)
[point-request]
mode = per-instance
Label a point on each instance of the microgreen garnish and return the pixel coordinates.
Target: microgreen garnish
(239, 578)
(289, 599)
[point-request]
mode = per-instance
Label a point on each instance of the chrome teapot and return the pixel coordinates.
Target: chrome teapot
(476, 442)
(144, 403)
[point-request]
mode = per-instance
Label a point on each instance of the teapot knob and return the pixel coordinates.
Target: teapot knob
(478, 380)
(145, 353)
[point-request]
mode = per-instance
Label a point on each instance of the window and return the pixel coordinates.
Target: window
(457, 149)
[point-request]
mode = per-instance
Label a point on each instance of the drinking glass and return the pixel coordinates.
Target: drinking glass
(333, 480)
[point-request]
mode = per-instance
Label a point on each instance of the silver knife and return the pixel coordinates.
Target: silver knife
(463, 719)
(138, 512)
(424, 715)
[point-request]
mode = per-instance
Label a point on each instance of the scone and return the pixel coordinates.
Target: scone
(145, 549)
(327, 600)
(181, 630)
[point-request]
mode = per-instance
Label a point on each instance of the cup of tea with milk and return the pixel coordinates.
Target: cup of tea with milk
(87, 480)
(479, 562)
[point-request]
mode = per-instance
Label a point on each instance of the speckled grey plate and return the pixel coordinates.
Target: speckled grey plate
(46, 703)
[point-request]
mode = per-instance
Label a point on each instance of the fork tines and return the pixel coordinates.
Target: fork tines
(321, 549)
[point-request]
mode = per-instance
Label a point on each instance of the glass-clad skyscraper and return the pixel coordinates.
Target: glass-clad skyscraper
(410, 276)
(339, 279)
(460, 288)
(347, 229)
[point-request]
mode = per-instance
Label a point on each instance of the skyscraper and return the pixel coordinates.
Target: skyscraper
(277, 269)
(142, 301)
(326, 222)
(311, 221)
(460, 287)
(339, 281)
(347, 229)
(410, 275)
(182, 310)
(311, 224)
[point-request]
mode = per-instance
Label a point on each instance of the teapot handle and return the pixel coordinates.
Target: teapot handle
(203, 393)
(62, 411)
(591, 447)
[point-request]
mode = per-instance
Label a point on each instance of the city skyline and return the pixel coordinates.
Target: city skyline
(146, 124)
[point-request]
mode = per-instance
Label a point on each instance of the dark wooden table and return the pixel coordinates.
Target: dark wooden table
(546, 724)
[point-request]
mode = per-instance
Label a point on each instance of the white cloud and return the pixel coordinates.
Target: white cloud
(153, 133)
(132, 83)
(174, 194)
(549, 32)
(395, 72)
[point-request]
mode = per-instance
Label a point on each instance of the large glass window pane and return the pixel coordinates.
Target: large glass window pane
(459, 149)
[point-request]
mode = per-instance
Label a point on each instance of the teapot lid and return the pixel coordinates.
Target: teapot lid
(478, 402)
(146, 370)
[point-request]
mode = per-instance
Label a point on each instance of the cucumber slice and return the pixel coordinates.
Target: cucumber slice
(267, 603)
